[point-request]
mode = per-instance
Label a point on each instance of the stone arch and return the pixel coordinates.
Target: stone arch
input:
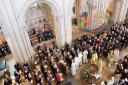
(56, 12)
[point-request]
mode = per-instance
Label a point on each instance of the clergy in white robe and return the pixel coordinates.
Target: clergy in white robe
(73, 68)
(116, 54)
(80, 55)
(85, 53)
(76, 62)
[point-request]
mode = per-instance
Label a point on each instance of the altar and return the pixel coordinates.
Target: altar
(89, 74)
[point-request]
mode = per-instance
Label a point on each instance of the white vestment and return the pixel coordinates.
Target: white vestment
(73, 68)
(77, 62)
(85, 53)
(80, 58)
(110, 82)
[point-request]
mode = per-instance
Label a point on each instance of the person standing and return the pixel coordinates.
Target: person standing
(85, 53)
(94, 58)
(80, 57)
(73, 68)
(110, 57)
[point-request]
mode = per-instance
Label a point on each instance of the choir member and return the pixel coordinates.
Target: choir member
(73, 68)
(85, 53)
(80, 55)
(76, 59)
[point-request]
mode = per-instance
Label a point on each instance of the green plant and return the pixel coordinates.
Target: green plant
(87, 75)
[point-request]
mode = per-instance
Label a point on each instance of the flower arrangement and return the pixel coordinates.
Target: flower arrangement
(87, 75)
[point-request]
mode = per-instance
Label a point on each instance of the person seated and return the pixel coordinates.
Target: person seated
(58, 77)
(18, 67)
(2, 51)
(124, 74)
(18, 80)
(38, 36)
(42, 35)
(119, 68)
(125, 64)
(50, 77)
(16, 73)
(7, 80)
(28, 77)
(54, 67)
(38, 80)
(26, 65)
(51, 33)
(33, 31)
(62, 66)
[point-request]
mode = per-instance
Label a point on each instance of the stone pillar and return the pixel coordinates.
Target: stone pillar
(90, 16)
(101, 9)
(67, 21)
(68, 29)
(123, 10)
(60, 30)
(119, 10)
(116, 10)
(104, 5)
(16, 36)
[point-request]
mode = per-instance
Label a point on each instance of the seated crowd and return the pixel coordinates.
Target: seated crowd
(122, 71)
(4, 49)
(51, 64)
(45, 34)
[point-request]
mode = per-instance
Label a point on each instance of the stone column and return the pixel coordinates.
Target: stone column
(16, 36)
(116, 10)
(60, 30)
(119, 10)
(90, 16)
(68, 28)
(123, 10)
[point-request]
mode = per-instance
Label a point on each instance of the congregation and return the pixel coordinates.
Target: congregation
(51, 64)
(41, 34)
(4, 49)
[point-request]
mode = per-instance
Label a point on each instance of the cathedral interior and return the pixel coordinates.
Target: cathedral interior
(64, 42)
